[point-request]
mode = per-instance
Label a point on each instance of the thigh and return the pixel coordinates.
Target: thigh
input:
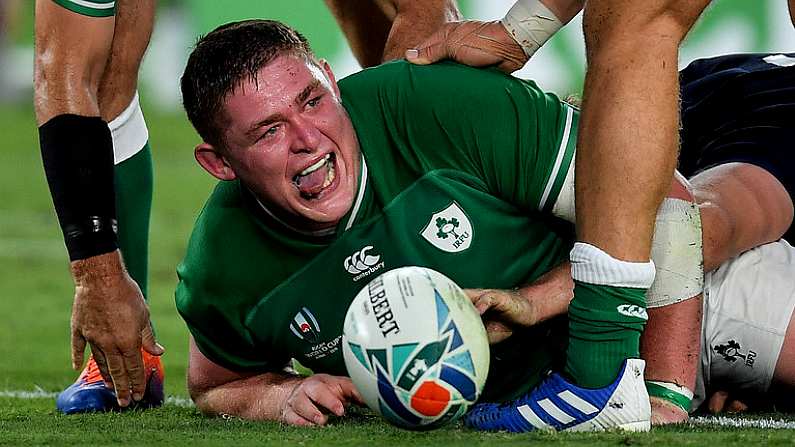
(134, 24)
(749, 302)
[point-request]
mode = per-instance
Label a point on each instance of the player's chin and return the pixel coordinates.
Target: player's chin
(325, 211)
(330, 204)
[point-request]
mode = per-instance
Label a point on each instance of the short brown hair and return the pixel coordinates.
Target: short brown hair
(226, 57)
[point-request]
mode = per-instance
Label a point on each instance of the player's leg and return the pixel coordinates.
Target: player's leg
(133, 186)
(116, 103)
(133, 177)
(749, 338)
(782, 388)
(626, 156)
(133, 204)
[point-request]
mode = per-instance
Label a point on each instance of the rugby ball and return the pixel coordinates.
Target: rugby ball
(415, 348)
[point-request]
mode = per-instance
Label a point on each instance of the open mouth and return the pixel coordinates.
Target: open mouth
(313, 180)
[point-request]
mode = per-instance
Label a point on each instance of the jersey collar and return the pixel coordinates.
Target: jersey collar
(347, 222)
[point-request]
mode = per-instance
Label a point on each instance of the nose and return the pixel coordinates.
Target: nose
(307, 136)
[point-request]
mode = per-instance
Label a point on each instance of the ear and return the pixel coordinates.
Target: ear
(330, 75)
(213, 161)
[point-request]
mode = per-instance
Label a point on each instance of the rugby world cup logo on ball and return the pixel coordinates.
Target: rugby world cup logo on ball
(415, 348)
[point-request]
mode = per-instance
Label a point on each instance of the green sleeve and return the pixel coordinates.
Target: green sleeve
(218, 337)
(218, 285)
(501, 129)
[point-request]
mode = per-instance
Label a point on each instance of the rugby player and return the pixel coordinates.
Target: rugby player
(628, 129)
(736, 113)
(94, 145)
(318, 175)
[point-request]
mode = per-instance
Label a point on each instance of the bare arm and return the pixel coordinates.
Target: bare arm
(414, 21)
(275, 396)
(382, 30)
(505, 310)
(506, 44)
(366, 27)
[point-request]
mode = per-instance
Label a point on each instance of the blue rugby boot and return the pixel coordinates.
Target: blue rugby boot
(556, 404)
(89, 393)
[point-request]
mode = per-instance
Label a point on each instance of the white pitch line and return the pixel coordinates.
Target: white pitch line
(39, 393)
(719, 421)
(724, 421)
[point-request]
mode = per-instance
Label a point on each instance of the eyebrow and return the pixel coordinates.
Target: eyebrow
(300, 98)
(307, 91)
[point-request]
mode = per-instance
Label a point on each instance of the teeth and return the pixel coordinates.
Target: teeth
(329, 176)
(316, 166)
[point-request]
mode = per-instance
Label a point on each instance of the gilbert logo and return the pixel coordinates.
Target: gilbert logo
(631, 310)
(305, 326)
(449, 230)
(362, 264)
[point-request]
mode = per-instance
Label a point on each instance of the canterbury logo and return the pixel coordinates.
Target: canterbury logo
(632, 310)
(360, 261)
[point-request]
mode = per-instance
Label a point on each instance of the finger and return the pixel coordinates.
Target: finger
(325, 398)
(102, 365)
(349, 391)
(736, 406)
(78, 350)
(303, 406)
(718, 401)
(292, 418)
(134, 364)
(120, 380)
(472, 294)
(434, 49)
(484, 302)
(149, 343)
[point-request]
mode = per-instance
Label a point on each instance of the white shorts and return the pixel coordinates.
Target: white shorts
(748, 303)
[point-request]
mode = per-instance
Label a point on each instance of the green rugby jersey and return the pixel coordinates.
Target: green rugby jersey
(460, 167)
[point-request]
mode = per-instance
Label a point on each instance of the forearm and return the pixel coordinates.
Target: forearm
(415, 20)
(259, 397)
(551, 293)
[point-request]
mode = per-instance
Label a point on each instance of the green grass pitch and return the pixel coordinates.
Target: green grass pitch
(35, 301)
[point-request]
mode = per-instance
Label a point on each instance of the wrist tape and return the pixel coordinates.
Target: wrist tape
(671, 392)
(531, 24)
(77, 153)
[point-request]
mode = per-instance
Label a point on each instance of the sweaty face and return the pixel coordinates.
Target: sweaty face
(292, 143)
